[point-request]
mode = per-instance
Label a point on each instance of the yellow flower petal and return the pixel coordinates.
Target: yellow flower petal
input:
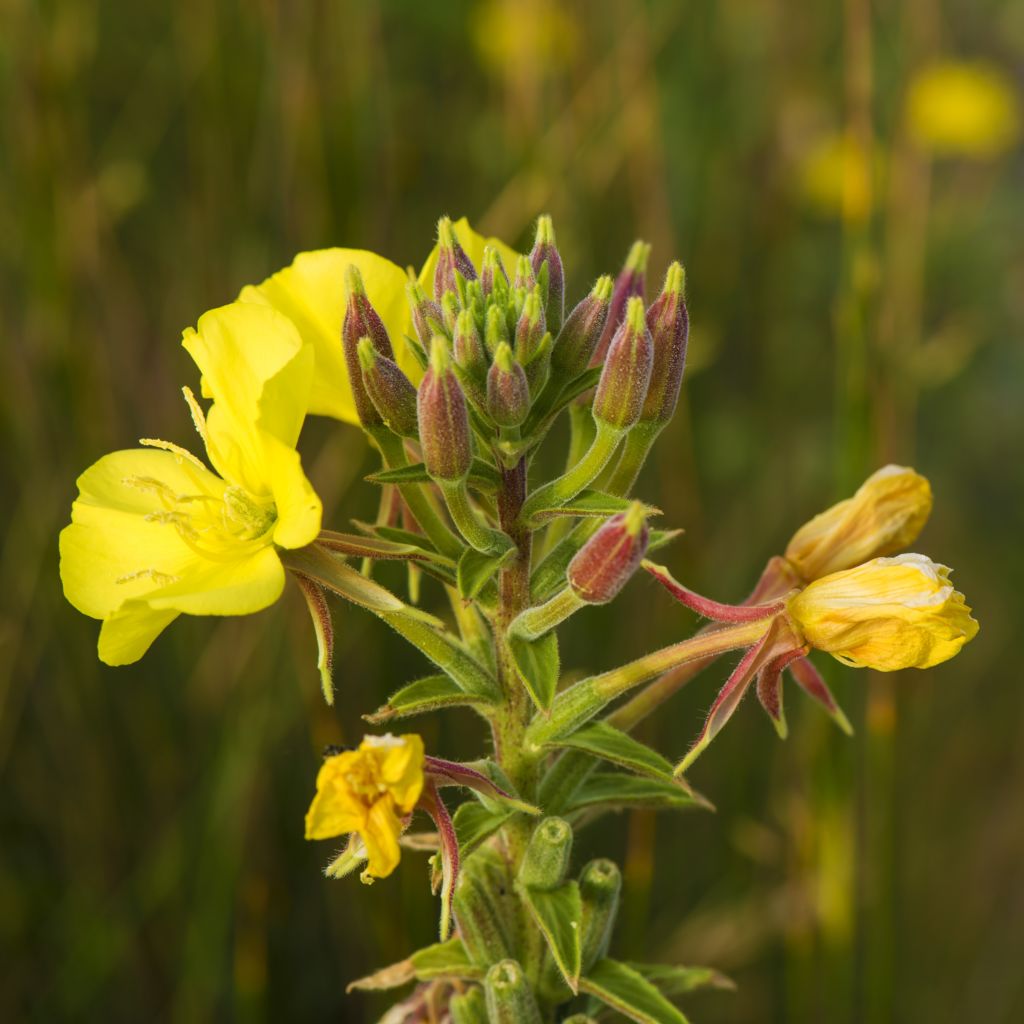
(311, 294)
(128, 634)
(474, 245)
(401, 768)
(380, 834)
(299, 510)
(336, 808)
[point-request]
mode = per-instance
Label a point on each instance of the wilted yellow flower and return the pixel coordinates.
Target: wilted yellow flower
(311, 294)
(155, 534)
(885, 516)
(369, 791)
(888, 614)
(963, 108)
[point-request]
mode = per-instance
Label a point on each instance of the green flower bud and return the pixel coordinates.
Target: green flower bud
(470, 355)
(546, 251)
(391, 392)
(443, 418)
(530, 328)
(496, 330)
(510, 999)
(669, 324)
(449, 312)
(632, 281)
(627, 371)
(578, 338)
(600, 886)
(494, 276)
(426, 314)
(451, 260)
(525, 278)
(361, 321)
(601, 568)
(547, 857)
(539, 366)
(508, 394)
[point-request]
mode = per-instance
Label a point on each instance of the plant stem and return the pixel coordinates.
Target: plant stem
(535, 622)
(476, 533)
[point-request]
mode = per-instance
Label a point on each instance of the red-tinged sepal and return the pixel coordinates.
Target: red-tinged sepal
(811, 682)
(455, 773)
(446, 874)
(320, 613)
(769, 690)
(705, 606)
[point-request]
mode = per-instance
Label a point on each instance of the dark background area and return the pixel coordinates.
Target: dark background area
(856, 287)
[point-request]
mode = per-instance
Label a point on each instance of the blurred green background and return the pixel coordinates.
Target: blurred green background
(843, 185)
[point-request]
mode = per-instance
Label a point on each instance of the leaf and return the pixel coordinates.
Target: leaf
(559, 915)
(393, 533)
(662, 538)
(537, 663)
(476, 568)
(444, 960)
(427, 694)
(475, 823)
(590, 504)
(615, 790)
(626, 990)
(456, 773)
(482, 476)
(391, 976)
(671, 980)
(356, 546)
(611, 744)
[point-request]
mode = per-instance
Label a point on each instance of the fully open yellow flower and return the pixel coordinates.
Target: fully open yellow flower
(154, 533)
(888, 614)
(369, 791)
(311, 293)
(885, 516)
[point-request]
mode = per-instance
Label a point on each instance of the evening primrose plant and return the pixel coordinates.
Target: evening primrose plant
(457, 375)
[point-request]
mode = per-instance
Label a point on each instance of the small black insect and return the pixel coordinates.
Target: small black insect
(333, 749)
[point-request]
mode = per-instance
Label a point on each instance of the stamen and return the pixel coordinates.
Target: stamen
(198, 417)
(170, 446)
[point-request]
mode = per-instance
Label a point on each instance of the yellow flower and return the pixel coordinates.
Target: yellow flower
(886, 515)
(154, 533)
(369, 791)
(311, 294)
(836, 176)
(888, 614)
(963, 108)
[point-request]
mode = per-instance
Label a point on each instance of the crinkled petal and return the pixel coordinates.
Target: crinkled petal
(402, 771)
(380, 833)
(311, 294)
(334, 810)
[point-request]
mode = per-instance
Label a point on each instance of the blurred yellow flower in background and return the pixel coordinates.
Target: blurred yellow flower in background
(888, 614)
(369, 791)
(962, 108)
(513, 34)
(836, 176)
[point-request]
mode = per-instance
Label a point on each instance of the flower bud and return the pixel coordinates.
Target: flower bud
(391, 392)
(539, 365)
(602, 567)
(496, 329)
(525, 278)
(886, 515)
(530, 328)
(546, 251)
(443, 418)
(426, 314)
(669, 324)
(632, 280)
(451, 260)
(467, 346)
(888, 614)
(600, 886)
(361, 321)
(627, 371)
(494, 276)
(508, 394)
(510, 999)
(449, 312)
(578, 338)
(547, 856)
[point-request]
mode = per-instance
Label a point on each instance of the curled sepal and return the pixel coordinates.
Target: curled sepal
(456, 773)
(810, 681)
(705, 606)
(431, 802)
(510, 999)
(353, 856)
(769, 690)
(320, 613)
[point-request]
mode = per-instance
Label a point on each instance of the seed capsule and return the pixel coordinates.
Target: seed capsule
(603, 566)
(547, 855)
(626, 375)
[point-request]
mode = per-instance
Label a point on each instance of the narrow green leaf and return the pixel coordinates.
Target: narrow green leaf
(475, 823)
(424, 695)
(392, 976)
(677, 981)
(476, 569)
(590, 504)
(394, 534)
(537, 663)
(630, 993)
(482, 476)
(616, 790)
(356, 546)
(610, 744)
(559, 915)
(661, 538)
(444, 960)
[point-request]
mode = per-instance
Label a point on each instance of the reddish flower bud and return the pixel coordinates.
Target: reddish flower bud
(426, 314)
(601, 568)
(443, 418)
(493, 275)
(361, 321)
(467, 346)
(530, 328)
(391, 392)
(546, 251)
(669, 324)
(632, 280)
(451, 259)
(581, 332)
(449, 312)
(525, 278)
(508, 394)
(626, 375)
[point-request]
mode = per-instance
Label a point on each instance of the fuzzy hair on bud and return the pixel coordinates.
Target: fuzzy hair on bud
(361, 321)
(669, 324)
(391, 392)
(443, 418)
(632, 281)
(545, 251)
(508, 393)
(603, 566)
(452, 261)
(626, 375)
(578, 338)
